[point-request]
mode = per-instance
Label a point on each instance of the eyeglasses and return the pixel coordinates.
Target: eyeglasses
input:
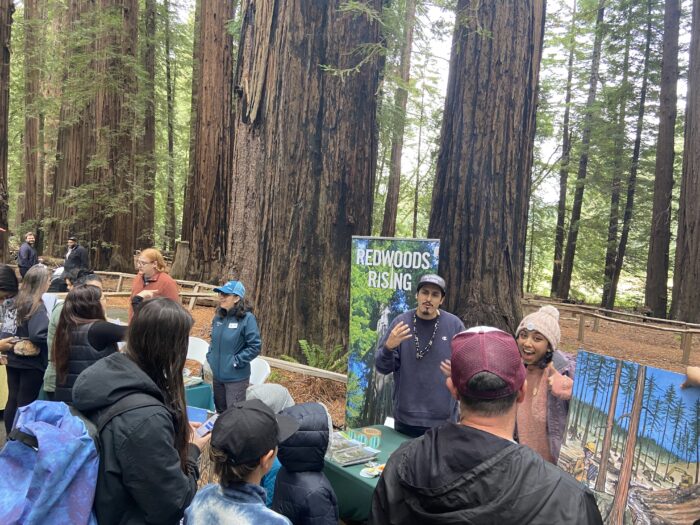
(142, 263)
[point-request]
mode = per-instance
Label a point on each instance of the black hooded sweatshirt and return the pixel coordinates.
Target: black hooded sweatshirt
(456, 474)
(140, 479)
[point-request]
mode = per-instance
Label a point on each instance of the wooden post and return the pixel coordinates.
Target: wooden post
(686, 344)
(178, 270)
(581, 326)
(193, 300)
(596, 322)
(119, 283)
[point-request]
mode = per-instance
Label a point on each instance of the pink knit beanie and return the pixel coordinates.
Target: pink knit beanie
(545, 321)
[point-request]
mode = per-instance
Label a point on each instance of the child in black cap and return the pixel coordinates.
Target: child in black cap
(243, 446)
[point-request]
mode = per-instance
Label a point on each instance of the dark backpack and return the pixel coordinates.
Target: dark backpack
(50, 462)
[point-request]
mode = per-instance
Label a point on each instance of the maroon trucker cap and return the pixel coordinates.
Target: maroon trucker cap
(486, 349)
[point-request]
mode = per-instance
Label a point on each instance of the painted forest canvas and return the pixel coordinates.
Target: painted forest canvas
(633, 437)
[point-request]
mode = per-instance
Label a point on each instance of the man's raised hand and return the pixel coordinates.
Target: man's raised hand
(398, 335)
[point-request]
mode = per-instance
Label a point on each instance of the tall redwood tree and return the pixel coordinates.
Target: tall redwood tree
(6, 9)
(482, 182)
(304, 158)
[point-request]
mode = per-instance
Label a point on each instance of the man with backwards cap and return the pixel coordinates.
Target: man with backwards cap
(413, 347)
(473, 471)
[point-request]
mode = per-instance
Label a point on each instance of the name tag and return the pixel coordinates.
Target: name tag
(233, 325)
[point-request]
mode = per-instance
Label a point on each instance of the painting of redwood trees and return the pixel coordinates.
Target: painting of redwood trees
(633, 436)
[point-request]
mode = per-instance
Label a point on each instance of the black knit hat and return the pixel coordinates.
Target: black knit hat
(8, 279)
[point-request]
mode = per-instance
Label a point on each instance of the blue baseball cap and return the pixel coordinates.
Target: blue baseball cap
(232, 287)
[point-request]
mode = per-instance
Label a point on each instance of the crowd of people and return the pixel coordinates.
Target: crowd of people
(485, 410)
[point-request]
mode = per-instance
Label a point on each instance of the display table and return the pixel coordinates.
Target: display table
(200, 396)
(354, 492)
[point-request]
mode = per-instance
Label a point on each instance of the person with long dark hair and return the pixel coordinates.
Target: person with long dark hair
(27, 360)
(148, 451)
(235, 342)
(83, 336)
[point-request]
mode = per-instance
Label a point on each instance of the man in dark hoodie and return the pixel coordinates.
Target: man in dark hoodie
(473, 472)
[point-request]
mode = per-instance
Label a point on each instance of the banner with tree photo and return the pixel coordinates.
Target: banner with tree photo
(383, 277)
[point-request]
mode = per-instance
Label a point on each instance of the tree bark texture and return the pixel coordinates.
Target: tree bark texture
(634, 167)
(618, 167)
(33, 180)
(208, 196)
(482, 182)
(656, 288)
(565, 161)
(170, 223)
(625, 476)
(685, 304)
(568, 262)
(144, 197)
(7, 7)
(399, 124)
(96, 146)
(196, 60)
(304, 160)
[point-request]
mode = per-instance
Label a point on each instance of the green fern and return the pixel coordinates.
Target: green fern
(317, 357)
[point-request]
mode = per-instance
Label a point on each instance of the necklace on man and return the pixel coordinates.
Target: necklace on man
(421, 353)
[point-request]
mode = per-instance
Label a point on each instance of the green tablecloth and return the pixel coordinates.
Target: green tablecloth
(200, 396)
(354, 492)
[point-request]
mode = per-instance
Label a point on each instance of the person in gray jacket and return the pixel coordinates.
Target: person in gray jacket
(473, 471)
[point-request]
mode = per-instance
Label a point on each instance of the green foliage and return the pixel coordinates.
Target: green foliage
(335, 360)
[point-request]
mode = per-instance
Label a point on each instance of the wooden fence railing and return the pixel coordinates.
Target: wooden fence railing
(583, 312)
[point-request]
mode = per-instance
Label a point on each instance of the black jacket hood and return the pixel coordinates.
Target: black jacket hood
(437, 480)
(305, 449)
(108, 380)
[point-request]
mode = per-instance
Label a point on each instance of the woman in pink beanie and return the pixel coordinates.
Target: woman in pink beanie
(550, 374)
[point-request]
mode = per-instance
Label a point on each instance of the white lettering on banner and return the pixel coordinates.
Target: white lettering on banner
(393, 258)
(390, 279)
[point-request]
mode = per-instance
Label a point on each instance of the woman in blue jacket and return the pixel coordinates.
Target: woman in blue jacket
(235, 342)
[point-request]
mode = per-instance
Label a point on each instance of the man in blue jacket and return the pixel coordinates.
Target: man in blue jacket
(413, 348)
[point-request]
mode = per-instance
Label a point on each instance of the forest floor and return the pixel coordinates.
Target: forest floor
(645, 346)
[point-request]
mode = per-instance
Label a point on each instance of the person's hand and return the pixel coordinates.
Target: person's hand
(692, 376)
(6, 345)
(195, 439)
(147, 294)
(446, 367)
(560, 385)
(398, 335)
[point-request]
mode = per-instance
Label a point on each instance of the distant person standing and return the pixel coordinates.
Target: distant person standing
(76, 257)
(27, 254)
(152, 277)
(413, 348)
(235, 342)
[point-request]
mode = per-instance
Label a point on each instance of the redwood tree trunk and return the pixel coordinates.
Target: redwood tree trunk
(609, 427)
(685, 305)
(144, 198)
(568, 263)
(170, 234)
(565, 161)
(656, 289)
(482, 181)
(7, 7)
(397, 134)
(208, 189)
(632, 179)
(33, 176)
(304, 159)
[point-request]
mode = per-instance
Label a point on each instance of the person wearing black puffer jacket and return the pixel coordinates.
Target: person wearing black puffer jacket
(302, 491)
